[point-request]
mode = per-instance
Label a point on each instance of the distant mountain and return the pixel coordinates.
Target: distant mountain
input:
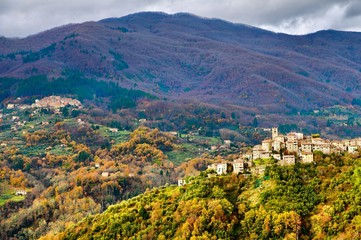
(183, 56)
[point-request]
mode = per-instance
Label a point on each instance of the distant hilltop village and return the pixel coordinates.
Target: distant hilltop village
(54, 102)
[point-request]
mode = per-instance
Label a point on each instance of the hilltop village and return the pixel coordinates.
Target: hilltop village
(54, 102)
(284, 150)
(283, 147)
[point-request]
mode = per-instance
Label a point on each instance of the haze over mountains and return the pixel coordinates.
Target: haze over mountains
(183, 56)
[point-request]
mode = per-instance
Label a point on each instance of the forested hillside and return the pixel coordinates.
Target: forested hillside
(160, 97)
(59, 165)
(182, 59)
(316, 201)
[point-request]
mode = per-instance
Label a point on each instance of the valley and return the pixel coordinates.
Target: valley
(174, 126)
(60, 164)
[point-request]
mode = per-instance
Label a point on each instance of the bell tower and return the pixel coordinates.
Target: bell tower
(274, 132)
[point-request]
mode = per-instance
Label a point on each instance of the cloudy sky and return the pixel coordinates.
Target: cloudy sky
(19, 18)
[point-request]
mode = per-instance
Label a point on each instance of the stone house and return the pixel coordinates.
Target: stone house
(227, 143)
(181, 182)
(20, 193)
(238, 166)
(221, 168)
(338, 146)
(265, 155)
(10, 106)
(317, 141)
(280, 138)
(213, 148)
(256, 151)
(292, 146)
(267, 145)
(322, 147)
(114, 130)
(306, 157)
(291, 137)
(352, 148)
(277, 146)
(306, 146)
(247, 156)
(294, 136)
(287, 160)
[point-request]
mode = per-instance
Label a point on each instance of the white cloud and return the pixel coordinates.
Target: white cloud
(332, 18)
(296, 16)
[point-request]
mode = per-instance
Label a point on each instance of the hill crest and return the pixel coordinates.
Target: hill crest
(182, 57)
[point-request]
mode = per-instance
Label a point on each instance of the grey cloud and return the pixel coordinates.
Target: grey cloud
(297, 16)
(353, 9)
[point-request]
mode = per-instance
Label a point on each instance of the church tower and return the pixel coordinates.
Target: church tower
(274, 133)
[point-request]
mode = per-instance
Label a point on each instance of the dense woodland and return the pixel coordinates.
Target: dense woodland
(67, 187)
(71, 165)
(158, 97)
(116, 106)
(313, 201)
(76, 164)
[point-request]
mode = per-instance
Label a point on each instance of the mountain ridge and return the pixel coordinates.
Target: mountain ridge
(182, 56)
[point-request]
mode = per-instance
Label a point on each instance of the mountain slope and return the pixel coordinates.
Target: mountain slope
(295, 202)
(182, 56)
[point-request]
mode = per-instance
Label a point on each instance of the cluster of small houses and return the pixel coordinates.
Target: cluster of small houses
(286, 149)
(54, 102)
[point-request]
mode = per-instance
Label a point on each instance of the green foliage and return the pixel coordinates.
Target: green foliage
(303, 73)
(75, 113)
(357, 176)
(263, 161)
(17, 163)
(123, 29)
(291, 193)
(35, 56)
(166, 214)
(118, 102)
(75, 83)
(65, 111)
(75, 170)
(118, 62)
(295, 202)
(64, 163)
(255, 122)
(71, 36)
(356, 101)
(10, 197)
(145, 145)
(83, 156)
(6, 85)
(285, 128)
